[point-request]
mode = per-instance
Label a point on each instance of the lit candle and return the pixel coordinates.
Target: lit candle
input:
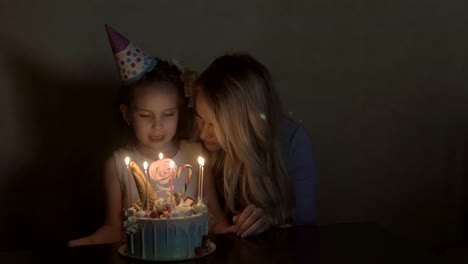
(129, 193)
(161, 156)
(145, 166)
(201, 162)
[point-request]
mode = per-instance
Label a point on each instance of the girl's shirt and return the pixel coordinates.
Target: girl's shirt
(187, 154)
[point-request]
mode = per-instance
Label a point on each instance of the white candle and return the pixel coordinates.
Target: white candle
(201, 162)
(161, 156)
(129, 191)
(145, 166)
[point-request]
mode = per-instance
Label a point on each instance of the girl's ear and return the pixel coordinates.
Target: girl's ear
(125, 113)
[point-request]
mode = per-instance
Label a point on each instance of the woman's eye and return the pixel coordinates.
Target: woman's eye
(169, 114)
(200, 119)
(144, 115)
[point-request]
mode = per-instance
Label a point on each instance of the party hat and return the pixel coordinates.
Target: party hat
(132, 62)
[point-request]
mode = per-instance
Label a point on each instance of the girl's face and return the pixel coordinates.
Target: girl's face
(205, 123)
(154, 114)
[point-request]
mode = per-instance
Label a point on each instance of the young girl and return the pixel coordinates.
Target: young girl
(264, 169)
(153, 106)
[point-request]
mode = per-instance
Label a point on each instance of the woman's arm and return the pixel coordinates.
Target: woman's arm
(111, 231)
(303, 175)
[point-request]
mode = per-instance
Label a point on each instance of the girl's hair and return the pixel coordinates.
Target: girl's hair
(247, 123)
(165, 72)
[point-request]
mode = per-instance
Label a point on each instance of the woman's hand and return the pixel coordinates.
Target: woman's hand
(252, 221)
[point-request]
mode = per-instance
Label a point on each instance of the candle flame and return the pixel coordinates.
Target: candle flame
(145, 165)
(161, 156)
(201, 161)
(127, 161)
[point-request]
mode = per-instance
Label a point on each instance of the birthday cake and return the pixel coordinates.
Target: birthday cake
(164, 235)
(173, 227)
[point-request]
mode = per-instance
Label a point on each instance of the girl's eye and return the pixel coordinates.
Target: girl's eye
(144, 115)
(169, 114)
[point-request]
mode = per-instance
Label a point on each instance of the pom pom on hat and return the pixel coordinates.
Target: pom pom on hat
(131, 61)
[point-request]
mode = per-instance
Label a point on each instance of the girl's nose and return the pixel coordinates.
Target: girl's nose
(157, 123)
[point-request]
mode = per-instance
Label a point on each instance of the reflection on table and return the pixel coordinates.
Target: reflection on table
(338, 243)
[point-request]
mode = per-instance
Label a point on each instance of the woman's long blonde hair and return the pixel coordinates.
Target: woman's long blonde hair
(247, 122)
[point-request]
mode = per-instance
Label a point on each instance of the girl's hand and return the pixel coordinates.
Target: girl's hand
(81, 242)
(104, 235)
(252, 221)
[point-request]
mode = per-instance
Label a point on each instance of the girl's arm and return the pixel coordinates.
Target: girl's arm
(111, 231)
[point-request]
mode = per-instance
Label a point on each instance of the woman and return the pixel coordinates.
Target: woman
(264, 171)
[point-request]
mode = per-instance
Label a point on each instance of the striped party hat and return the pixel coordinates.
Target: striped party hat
(132, 62)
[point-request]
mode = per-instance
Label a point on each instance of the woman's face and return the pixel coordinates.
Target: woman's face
(205, 123)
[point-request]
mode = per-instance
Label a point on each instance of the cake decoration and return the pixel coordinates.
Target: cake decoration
(205, 241)
(130, 212)
(140, 214)
(143, 186)
(131, 226)
(163, 171)
(188, 167)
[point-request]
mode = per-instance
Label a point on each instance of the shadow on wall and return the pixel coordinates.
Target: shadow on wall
(58, 194)
(465, 195)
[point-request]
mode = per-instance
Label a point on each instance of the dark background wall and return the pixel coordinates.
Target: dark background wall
(380, 85)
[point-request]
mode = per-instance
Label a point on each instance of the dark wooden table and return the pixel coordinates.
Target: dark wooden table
(340, 243)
